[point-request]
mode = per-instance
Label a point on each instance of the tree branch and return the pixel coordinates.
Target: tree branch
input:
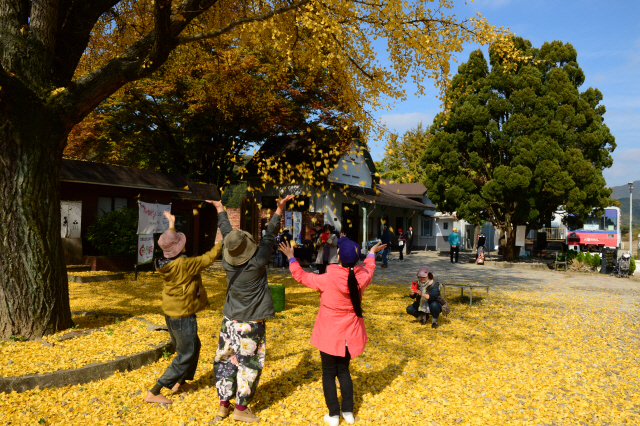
(76, 19)
(133, 64)
(44, 23)
(232, 25)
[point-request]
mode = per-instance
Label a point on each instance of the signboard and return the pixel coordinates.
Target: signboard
(71, 218)
(297, 226)
(609, 260)
(145, 248)
(150, 218)
(288, 220)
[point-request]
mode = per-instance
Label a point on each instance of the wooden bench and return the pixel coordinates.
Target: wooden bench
(462, 287)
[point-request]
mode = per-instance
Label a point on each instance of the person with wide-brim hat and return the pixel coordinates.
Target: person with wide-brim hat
(242, 343)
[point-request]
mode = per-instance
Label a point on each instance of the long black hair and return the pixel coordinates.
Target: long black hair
(354, 290)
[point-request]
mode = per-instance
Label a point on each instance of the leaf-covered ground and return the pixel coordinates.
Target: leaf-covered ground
(544, 357)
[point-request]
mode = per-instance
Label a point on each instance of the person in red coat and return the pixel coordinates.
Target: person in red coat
(339, 332)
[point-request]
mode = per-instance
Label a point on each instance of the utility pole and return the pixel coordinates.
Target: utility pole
(631, 218)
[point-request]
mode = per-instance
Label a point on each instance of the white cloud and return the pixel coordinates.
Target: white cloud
(625, 168)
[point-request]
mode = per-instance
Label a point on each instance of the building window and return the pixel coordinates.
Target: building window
(445, 225)
(109, 204)
(425, 229)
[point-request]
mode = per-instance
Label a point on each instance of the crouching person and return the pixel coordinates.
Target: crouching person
(182, 296)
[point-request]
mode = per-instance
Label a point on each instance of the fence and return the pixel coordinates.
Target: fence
(552, 233)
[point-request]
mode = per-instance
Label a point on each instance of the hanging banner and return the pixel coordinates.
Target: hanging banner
(288, 220)
(297, 226)
(71, 217)
(150, 218)
(145, 248)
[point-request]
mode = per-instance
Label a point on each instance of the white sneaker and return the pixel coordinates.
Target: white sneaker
(332, 420)
(348, 417)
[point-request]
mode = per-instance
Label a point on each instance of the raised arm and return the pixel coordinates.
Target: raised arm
(364, 276)
(266, 244)
(223, 219)
(307, 279)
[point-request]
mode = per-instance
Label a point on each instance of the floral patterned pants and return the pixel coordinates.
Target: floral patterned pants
(239, 359)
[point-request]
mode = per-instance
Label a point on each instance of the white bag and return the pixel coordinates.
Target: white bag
(400, 243)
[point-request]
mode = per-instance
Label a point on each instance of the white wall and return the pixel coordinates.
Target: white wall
(352, 170)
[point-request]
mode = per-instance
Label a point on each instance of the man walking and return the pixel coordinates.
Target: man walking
(409, 237)
(242, 343)
(454, 241)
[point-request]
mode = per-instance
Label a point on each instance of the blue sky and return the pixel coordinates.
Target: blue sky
(606, 35)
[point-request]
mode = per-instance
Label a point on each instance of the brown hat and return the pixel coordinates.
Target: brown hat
(423, 271)
(239, 246)
(172, 243)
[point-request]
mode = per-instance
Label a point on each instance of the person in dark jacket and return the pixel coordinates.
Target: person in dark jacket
(242, 343)
(409, 237)
(426, 298)
(385, 240)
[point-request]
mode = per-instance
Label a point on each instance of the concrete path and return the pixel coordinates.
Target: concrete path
(531, 280)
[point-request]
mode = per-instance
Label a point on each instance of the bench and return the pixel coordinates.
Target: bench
(462, 287)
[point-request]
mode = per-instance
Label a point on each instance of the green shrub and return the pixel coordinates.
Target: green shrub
(595, 260)
(632, 267)
(587, 258)
(114, 233)
(580, 257)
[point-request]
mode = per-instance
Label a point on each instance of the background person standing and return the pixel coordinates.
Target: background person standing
(409, 237)
(454, 241)
(385, 240)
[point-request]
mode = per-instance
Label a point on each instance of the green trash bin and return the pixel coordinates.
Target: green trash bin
(277, 294)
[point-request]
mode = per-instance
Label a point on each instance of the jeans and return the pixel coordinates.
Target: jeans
(332, 367)
(184, 336)
(434, 308)
(413, 308)
(384, 255)
(456, 250)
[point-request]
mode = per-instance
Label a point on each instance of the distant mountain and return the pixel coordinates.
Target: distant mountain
(621, 193)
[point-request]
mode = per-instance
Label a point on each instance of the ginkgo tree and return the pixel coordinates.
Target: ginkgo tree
(61, 59)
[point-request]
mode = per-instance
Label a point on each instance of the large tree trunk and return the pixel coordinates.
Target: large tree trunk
(34, 292)
(510, 250)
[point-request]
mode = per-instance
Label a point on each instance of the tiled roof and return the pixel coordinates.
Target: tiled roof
(106, 174)
(407, 189)
(385, 197)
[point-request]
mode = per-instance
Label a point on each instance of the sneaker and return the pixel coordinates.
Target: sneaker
(434, 325)
(222, 413)
(348, 417)
(332, 420)
(245, 416)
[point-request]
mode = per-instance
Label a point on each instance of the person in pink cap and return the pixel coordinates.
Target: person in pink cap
(426, 295)
(183, 295)
(339, 331)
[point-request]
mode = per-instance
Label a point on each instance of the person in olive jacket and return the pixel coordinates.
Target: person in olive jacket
(242, 343)
(183, 295)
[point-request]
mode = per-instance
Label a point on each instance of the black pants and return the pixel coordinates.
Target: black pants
(322, 267)
(400, 250)
(455, 250)
(409, 242)
(332, 367)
